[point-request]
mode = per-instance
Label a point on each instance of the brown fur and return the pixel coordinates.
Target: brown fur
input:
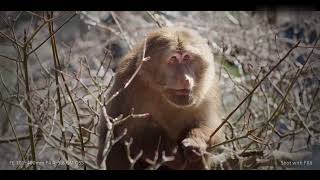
(192, 124)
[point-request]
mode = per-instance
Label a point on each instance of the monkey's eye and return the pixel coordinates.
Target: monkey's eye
(173, 60)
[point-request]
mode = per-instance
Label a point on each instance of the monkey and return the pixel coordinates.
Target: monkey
(178, 90)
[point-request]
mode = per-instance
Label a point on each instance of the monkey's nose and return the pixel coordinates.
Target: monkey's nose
(184, 84)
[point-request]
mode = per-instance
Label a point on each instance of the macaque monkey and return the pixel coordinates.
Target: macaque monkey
(177, 87)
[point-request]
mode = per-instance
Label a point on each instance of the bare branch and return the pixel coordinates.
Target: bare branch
(253, 90)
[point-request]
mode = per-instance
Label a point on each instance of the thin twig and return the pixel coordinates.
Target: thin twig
(298, 73)
(54, 32)
(114, 16)
(233, 139)
(154, 19)
(55, 60)
(15, 139)
(26, 76)
(252, 91)
(132, 160)
(12, 40)
(11, 59)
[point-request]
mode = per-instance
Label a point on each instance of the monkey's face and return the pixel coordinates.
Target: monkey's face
(181, 73)
(179, 65)
(180, 79)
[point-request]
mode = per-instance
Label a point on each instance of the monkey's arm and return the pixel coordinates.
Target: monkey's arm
(208, 119)
(197, 140)
(195, 145)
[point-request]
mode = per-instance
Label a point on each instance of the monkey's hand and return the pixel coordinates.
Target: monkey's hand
(194, 145)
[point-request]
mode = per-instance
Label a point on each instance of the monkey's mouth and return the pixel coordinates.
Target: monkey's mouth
(179, 97)
(181, 92)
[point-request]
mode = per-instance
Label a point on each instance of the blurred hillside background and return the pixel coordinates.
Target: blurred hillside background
(276, 127)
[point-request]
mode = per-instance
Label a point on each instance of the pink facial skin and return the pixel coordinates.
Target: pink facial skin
(184, 82)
